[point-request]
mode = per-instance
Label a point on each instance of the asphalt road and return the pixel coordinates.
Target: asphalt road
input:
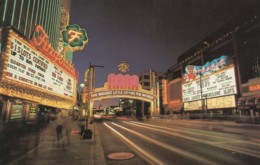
(170, 142)
(182, 142)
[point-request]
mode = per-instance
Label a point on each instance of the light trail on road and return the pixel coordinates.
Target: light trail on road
(150, 158)
(227, 146)
(170, 148)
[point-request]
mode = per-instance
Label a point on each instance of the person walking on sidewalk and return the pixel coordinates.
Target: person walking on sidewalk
(67, 127)
(59, 127)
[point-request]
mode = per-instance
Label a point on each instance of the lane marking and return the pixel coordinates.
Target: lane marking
(244, 151)
(170, 148)
(194, 133)
(148, 157)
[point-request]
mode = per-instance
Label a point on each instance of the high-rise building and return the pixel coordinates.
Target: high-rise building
(24, 15)
(145, 79)
(34, 76)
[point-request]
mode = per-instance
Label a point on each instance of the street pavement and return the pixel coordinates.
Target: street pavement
(42, 148)
(70, 150)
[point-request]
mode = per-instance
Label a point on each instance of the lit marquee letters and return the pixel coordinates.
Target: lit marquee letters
(123, 81)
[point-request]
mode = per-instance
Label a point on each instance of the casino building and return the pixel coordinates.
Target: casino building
(225, 65)
(35, 79)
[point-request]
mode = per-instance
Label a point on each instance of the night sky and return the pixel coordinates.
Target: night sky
(148, 34)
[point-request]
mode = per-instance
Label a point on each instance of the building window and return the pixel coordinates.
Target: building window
(256, 67)
(146, 77)
(146, 83)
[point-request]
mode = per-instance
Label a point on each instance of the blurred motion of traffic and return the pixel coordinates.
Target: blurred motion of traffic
(204, 109)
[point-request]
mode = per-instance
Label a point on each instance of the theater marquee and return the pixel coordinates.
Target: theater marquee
(32, 67)
(220, 83)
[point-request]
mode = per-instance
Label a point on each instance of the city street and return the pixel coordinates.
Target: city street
(184, 141)
(155, 141)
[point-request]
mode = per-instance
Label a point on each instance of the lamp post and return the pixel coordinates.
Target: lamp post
(89, 80)
(203, 105)
(131, 102)
(82, 106)
(201, 92)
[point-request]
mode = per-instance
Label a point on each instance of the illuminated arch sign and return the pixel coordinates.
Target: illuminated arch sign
(122, 93)
(123, 81)
(122, 86)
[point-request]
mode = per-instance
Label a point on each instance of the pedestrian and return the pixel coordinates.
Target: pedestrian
(59, 127)
(68, 125)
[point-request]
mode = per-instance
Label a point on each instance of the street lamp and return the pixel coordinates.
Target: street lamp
(202, 101)
(131, 102)
(203, 106)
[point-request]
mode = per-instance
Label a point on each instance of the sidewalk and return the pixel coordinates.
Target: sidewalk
(78, 151)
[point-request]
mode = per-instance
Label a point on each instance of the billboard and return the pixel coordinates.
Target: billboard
(27, 67)
(213, 103)
(220, 83)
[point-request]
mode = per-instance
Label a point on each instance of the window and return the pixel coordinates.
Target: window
(146, 77)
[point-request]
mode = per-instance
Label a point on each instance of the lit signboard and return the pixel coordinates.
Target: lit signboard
(27, 66)
(16, 111)
(192, 71)
(122, 81)
(214, 103)
(74, 37)
(164, 92)
(112, 93)
(217, 84)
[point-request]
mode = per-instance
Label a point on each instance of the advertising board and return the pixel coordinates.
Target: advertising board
(16, 111)
(113, 93)
(27, 66)
(32, 115)
(220, 83)
(213, 103)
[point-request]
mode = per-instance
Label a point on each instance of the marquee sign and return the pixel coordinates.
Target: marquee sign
(218, 84)
(35, 70)
(41, 43)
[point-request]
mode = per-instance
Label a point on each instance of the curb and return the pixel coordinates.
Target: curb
(97, 152)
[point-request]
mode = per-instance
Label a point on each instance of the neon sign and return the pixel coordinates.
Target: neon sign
(254, 88)
(164, 91)
(123, 81)
(74, 37)
(120, 93)
(40, 41)
(193, 72)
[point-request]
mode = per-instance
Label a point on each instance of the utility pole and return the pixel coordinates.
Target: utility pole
(90, 86)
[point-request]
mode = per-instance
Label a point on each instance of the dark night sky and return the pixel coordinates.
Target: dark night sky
(148, 34)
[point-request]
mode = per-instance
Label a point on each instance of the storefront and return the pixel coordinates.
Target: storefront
(172, 96)
(249, 103)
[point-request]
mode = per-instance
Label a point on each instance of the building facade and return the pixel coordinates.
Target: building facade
(146, 79)
(34, 78)
(238, 42)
